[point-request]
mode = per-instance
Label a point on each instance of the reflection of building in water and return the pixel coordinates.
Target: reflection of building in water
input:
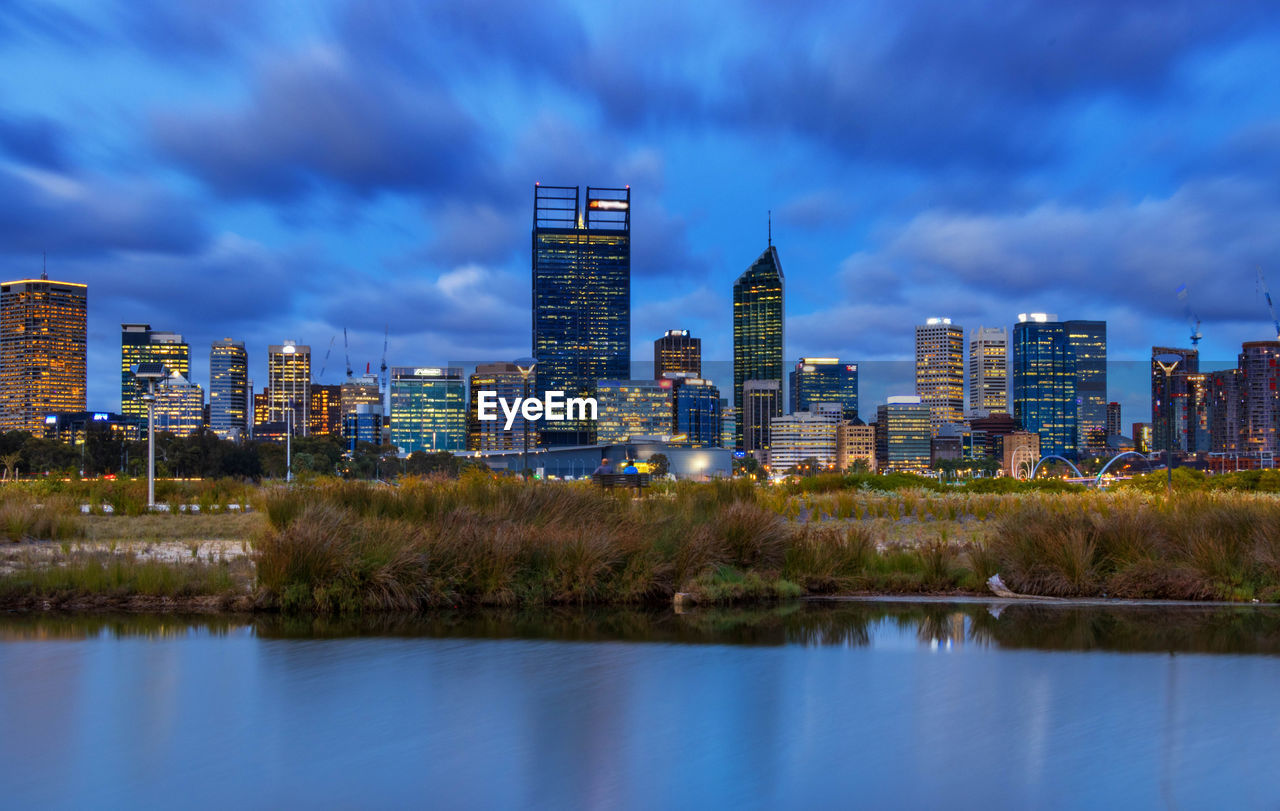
(943, 630)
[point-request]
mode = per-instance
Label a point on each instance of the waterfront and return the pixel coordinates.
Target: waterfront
(973, 704)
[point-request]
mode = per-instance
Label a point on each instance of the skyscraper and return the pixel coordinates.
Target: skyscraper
(1172, 412)
(697, 411)
(141, 344)
(1115, 423)
(325, 409)
(581, 297)
(360, 390)
(43, 325)
(179, 407)
(289, 385)
(677, 352)
(1260, 367)
(824, 380)
(903, 434)
(428, 409)
(989, 370)
(1087, 341)
(940, 370)
(761, 405)
(1060, 381)
(757, 334)
(228, 389)
(505, 380)
(1226, 410)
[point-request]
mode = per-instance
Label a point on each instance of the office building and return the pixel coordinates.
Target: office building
(229, 389)
(581, 297)
(1226, 411)
(761, 404)
(326, 409)
(363, 424)
(1060, 382)
(179, 406)
(361, 390)
(984, 434)
(505, 380)
(261, 408)
(289, 386)
(1115, 424)
(988, 371)
(757, 337)
(1259, 365)
(677, 352)
(856, 447)
(824, 380)
(1172, 407)
(43, 328)
(940, 370)
(428, 409)
(904, 434)
(696, 405)
(628, 409)
(1143, 437)
(1087, 341)
(74, 427)
(811, 435)
(139, 343)
(728, 423)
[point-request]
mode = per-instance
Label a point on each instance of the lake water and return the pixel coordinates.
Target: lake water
(901, 704)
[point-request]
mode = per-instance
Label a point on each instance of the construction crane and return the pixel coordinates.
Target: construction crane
(386, 335)
(1192, 318)
(325, 365)
(1271, 308)
(346, 347)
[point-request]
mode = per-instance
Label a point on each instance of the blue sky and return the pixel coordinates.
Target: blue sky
(269, 171)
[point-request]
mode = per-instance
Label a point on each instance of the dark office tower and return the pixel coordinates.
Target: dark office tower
(824, 380)
(1087, 341)
(1260, 365)
(229, 389)
(141, 344)
(1172, 409)
(1226, 410)
(581, 297)
(1115, 423)
(1044, 382)
(43, 324)
(762, 404)
(696, 405)
(757, 330)
(677, 352)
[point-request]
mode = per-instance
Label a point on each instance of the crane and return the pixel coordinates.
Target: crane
(1271, 308)
(386, 335)
(325, 365)
(1192, 318)
(346, 346)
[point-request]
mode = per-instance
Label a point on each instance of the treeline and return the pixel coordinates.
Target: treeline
(204, 455)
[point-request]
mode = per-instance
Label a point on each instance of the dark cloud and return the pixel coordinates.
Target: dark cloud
(34, 140)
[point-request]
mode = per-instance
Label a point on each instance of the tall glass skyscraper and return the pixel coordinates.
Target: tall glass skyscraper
(1060, 381)
(679, 352)
(696, 421)
(825, 380)
(1088, 342)
(289, 385)
(228, 389)
(757, 331)
(43, 328)
(428, 409)
(940, 370)
(581, 297)
(141, 344)
(989, 370)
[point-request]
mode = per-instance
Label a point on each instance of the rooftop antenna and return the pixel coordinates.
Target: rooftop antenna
(44, 266)
(770, 228)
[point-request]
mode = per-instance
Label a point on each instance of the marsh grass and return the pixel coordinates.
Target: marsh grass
(112, 575)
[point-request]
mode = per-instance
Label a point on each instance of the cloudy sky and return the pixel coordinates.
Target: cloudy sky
(270, 171)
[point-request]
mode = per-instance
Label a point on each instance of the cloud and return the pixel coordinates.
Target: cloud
(20, 19)
(34, 140)
(189, 30)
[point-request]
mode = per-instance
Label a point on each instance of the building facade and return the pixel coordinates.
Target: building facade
(581, 297)
(325, 409)
(856, 447)
(1226, 411)
(289, 386)
(940, 370)
(1115, 422)
(1259, 364)
(903, 434)
(179, 406)
(758, 325)
(43, 351)
(1172, 407)
(1087, 341)
(139, 343)
(988, 370)
(811, 436)
(824, 380)
(629, 409)
(677, 352)
(506, 381)
(355, 391)
(695, 420)
(428, 409)
(761, 405)
(229, 405)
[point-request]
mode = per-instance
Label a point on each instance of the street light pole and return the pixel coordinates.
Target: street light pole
(288, 443)
(525, 365)
(151, 444)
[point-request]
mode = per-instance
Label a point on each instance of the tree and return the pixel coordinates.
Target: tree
(659, 464)
(10, 464)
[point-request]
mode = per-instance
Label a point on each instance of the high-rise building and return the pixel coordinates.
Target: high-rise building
(825, 380)
(581, 297)
(1143, 437)
(289, 386)
(856, 447)
(179, 406)
(1260, 367)
(903, 434)
(1115, 424)
(326, 409)
(988, 370)
(361, 390)
(362, 425)
(1226, 411)
(1172, 407)
(1087, 341)
(761, 405)
(811, 435)
(506, 382)
(43, 328)
(677, 352)
(141, 344)
(229, 389)
(428, 409)
(728, 423)
(696, 413)
(1060, 381)
(940, 371)
(261, 408)
(757, 336)
(633, 408)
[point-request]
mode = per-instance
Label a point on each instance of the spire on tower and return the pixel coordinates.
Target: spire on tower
(44, 266)
(770, 228)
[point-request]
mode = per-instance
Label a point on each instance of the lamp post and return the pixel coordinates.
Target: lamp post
(525, 365)
(1167, 362)
(150, 372)
(288, 442)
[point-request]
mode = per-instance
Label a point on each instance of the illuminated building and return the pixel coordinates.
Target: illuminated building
(856, 446)
(1115, 424)
(940, 370)
(1172, 409)
(808, 435)
(1060, 381)
(824, 380)
(1018, 453)
(42, 351)
(179, 406)
(984, 432)
(761, 405)
(628, 409)
(903, 434)
(581, 298)
(1260, 370)
(228, 389)
(428, 409)
(988, 370)
(491, 435)
(757, 341)
(696, 413)
(326, 409)
(289, 386)
(1143, 437)
(677, 352)
(728, 424)
(141, 344)
(362, 424)
(72, 428)
(356, 391)
(1226, 411)
(1088, 344)
(261, 409)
